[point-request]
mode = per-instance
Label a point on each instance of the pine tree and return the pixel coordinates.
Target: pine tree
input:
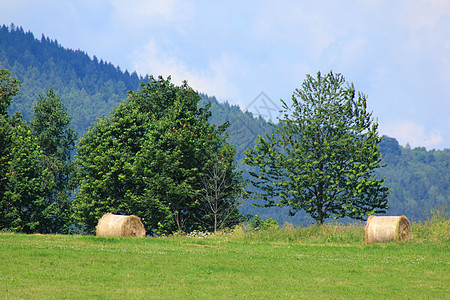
(51, 125)
(22, 192)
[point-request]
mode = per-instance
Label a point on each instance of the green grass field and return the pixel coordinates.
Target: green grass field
(331, 261)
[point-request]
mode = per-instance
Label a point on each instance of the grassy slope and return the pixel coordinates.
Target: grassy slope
(328, 262)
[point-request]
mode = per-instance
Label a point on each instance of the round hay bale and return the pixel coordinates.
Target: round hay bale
(387, 229)
(120, 225)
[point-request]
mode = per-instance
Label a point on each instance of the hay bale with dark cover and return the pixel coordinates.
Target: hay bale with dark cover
(387, 229)
(120, 225)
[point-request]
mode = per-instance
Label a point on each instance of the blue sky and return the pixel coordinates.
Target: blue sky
(397, 52)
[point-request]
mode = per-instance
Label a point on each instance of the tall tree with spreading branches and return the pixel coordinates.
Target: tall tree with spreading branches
(322, 155)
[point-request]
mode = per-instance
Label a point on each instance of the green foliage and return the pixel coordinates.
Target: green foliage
(34, 165)
(9, 87)
(22, 195)
(149, 159)
(244, 127)
(90, 88)
(418, 179)
(22, 205)
(322, 156)
(51, 125)
(260, 224)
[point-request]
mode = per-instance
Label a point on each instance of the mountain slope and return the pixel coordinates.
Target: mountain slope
(89, 88)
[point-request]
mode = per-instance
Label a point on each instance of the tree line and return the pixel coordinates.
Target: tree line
(36, 171)
(90, 88)
(157, 156)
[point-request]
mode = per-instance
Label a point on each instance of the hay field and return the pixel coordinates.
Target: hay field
(278, 263)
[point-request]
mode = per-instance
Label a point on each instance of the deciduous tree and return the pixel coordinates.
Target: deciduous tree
(148, 159)
(323, 153)
(222, 188)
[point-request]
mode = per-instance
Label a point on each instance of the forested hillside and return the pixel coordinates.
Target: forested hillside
(419, 179)
(91, 88)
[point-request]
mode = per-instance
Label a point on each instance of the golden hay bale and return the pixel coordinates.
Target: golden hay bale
(120, 225)
(387, 229)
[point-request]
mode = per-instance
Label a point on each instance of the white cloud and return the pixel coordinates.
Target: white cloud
(294, 24)
(215, 79)
(408, 132)
(424, 13)
(143, 15)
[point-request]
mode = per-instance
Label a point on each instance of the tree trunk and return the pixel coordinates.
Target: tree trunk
(215, 223)
(177, 220)
(320, 220)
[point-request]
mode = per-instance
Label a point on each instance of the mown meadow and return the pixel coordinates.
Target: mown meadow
(331, 261)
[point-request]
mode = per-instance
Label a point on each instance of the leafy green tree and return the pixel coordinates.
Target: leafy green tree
(323, 153)
(22, 202)
(148, 159)
(22, 206)
(51, 125)
(9, 87)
